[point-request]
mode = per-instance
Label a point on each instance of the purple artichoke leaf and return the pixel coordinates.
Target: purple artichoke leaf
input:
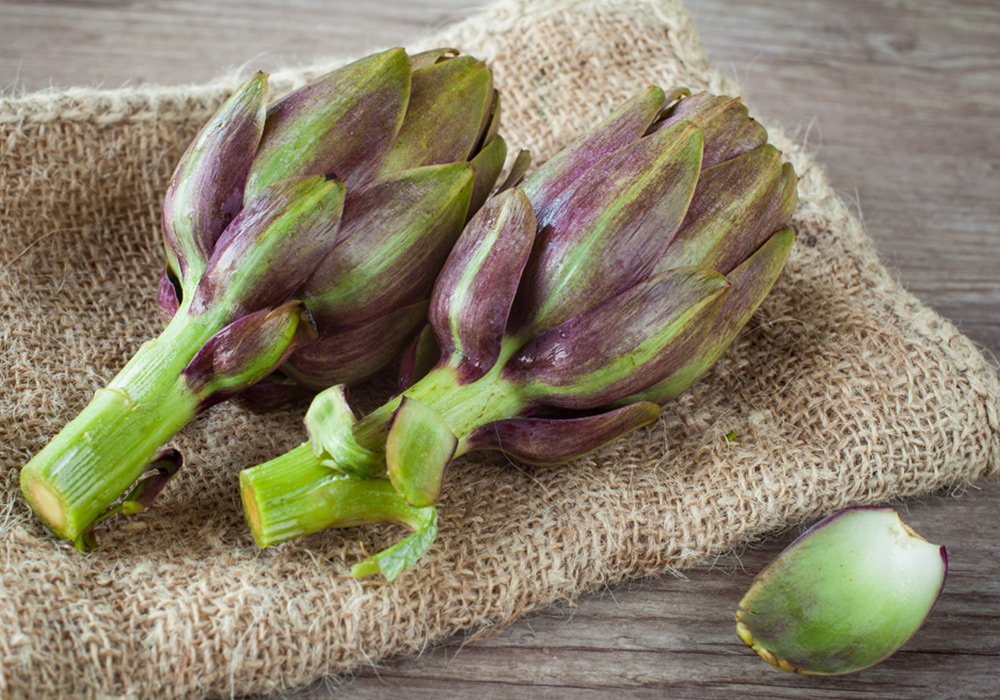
(271, 247)
(418, 448)
(449, 102)
(623, 346)
(606, 233)
(725, 121)
(343, 123)
(420, 357)
(488, 164)
(351, 354)
(735, 206)
(624, 126)
(546, 441)
(394, 236)
(751, 281)
(206, 189)
(476, 287)
(246, 351)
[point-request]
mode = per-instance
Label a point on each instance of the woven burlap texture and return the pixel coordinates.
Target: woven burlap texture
(843, 389)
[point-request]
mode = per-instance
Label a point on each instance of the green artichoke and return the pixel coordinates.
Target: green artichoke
(279, 222)
(569, 309)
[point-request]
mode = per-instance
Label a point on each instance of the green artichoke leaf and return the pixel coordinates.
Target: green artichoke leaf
(342, 124)
(419, 446)
(395, 234)
(625, 345)
(329, 422)
(606, 233)
(751, 281)
(736, 206)
(844, 596)
(449, 102)
(488, 164)
(404, 554)
(271, 247)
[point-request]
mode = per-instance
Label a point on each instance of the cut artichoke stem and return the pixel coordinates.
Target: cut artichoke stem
(198, 359)
(101, 452)
(295, 494)
(305, 497)
(844, 596)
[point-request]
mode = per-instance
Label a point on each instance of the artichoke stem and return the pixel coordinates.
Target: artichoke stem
(107, 447)
(294, 495)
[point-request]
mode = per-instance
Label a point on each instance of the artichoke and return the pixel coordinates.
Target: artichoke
(569, 310)
(279, 222)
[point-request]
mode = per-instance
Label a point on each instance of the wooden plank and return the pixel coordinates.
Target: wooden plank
(900, 99)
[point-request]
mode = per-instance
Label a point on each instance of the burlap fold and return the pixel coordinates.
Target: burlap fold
(843, 389)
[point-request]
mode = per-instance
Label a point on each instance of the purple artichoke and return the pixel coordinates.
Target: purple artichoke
(568, 310)
(279, 223)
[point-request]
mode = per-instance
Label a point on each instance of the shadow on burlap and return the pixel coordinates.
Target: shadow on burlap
(843, 389)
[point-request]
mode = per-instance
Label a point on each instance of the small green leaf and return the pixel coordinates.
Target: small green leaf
(403, 554)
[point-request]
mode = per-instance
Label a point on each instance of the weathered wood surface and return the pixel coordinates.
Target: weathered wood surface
(901, 101)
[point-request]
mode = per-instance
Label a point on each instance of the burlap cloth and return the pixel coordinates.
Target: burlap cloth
(843, 389)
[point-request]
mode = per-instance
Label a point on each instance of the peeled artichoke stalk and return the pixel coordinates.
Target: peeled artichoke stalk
(568, 310)
(844, 596)
(278, 222)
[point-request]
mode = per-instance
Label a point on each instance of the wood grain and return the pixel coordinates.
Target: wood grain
(900, 99)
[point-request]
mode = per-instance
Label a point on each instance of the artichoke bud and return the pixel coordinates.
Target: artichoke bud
(344, 124)
(395, 235)
(206, 189)
(418, 448)
(728, 128)
(450, 104)
(605, 233)
(843, 596)
(476, 287)
(246, 351)
(623, 346)
(271, 247)
(353, 353)
(329, 422)
(624, 126)
(544, 441)
(751, 281)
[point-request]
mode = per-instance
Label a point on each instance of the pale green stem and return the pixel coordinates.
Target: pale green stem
(101, 452)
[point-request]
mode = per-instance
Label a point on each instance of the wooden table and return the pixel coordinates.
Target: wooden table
(901, 101)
